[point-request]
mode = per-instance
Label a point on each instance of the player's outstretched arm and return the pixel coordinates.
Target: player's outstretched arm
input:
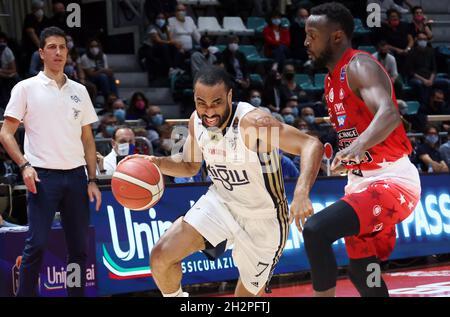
(185, 164)
(368, 80)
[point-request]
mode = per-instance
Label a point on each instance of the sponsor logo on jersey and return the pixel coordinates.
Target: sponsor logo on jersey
(228, 178)
(342, 76)
(339, 108)
(331, 95)
(341, 120)
(341, 94)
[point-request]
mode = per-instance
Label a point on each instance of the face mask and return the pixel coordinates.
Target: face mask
(382, 55)
(39, 14)
(70, 45)
(289, 119)
(123, 149)
(2, 45)
(309, 118)
(157, 119)
(289, 76)
(256, 101)
(432, 139)
(120, 114)
(160, 22)
(422, 43)
(394, 23)
(181, 15)
(110, 130)
(419, 19)
(94, 51)
(140, 104)
(276, 21)
(300, 21)
(233, 47)
(295, 111)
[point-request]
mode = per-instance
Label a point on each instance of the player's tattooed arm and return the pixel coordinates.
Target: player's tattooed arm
(368, 81)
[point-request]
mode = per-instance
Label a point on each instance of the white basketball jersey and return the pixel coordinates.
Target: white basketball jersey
(249, 183)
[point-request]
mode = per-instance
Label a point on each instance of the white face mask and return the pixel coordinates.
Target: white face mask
(233, 47)
(422, 43)
(94, 51)
(70, 45)
(123, 149)
(39, 14)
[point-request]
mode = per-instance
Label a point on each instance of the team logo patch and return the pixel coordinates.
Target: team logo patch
(378, 227)
(342, 77)
(76, 113)
(75, 99)
(341, 94)
(339, 108)
(331, 95)
(376, 210)
(341, 120)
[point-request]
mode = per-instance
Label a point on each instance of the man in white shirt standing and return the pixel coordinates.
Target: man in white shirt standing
(57, 113)
(183, 30)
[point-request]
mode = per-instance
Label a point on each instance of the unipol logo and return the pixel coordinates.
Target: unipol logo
(134, 246)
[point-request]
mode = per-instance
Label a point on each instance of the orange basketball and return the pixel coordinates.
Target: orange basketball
(137, 184)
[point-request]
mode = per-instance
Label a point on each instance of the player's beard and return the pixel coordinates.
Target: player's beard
(322, 60)
(222, 119)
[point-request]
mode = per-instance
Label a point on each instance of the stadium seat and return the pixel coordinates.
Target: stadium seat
(208, 2)
(256, 80)
(368, 48)
(303, 80)
(360, 29)
(210, 26)
(285, 23)
(319, 80)
(256, 23)
(252, 54)
(413, 107)
(235, 25)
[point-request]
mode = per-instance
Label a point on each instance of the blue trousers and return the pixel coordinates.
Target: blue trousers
(64, 191)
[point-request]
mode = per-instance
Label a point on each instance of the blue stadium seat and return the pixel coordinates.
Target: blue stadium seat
(256, 23)
(303, 80)
(413, 107)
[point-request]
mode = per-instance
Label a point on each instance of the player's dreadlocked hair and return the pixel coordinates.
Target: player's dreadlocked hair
(336, 13)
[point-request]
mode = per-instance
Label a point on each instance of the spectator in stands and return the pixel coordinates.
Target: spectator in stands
(277, 40)
(301, 124)
(421, 68)
(107, 126)
(288, 115)
(163, 53)
(397, 34)
(183, 30)
(444, 150)
(289, 87)
(272, 91)
(119, 110)
(8, 70)
(430, 160)
(420, 23)
(123, 143)
(138, 107)
(298, 49)
(155, 120)
(308, 114)
(403, 109)
(203, 56)
(166, 7)
(95, 65)
(59, 16)
(389, 63)
(437, 104)
(33, 24)
(387, 5)
(236, 65)
(255, 99)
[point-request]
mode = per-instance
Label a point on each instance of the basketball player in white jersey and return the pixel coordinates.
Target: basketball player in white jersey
(246, 205)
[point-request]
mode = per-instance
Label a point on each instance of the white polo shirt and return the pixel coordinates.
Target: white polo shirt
(53, 119)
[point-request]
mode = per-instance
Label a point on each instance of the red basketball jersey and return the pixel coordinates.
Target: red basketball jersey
(350, 117)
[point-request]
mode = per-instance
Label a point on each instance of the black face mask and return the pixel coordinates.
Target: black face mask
(382, 55)
(205, 45)
(289, 76)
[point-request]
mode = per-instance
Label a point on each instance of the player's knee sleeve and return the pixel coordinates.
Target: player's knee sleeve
(366, 278)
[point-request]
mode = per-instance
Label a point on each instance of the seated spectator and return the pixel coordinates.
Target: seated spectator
(236, 65)
(437, 104)
(137, 108)
(203, 57)
(289, 87)
(8, 70)
(255, 99)
(123, 143)
(163, 55)
(183, 30)
(298, 49)
(308, 114)
(288, 115)
(166, 7)
(119, 111)
(272, 91)
(95, 65)
(277, 40)
(389, 63)
(59, 18)
(397, 34)
(403, 109)
(430, 160)
(155, 120)
(444, 150)
(421, 66)
(420, 23)
(301, 124)
(33, 25)
(105, 130)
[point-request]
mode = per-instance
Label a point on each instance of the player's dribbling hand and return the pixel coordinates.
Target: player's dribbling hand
(301, 209)
(30, 177)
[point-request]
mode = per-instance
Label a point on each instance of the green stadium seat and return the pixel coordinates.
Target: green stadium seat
(256, 23)
(368, 48)
(360, 29)
(252, 54)
(256, 80)
(413, 107)
(319, 80)
(303, 80)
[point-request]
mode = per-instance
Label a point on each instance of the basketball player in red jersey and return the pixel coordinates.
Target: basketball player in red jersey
(383, 186)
